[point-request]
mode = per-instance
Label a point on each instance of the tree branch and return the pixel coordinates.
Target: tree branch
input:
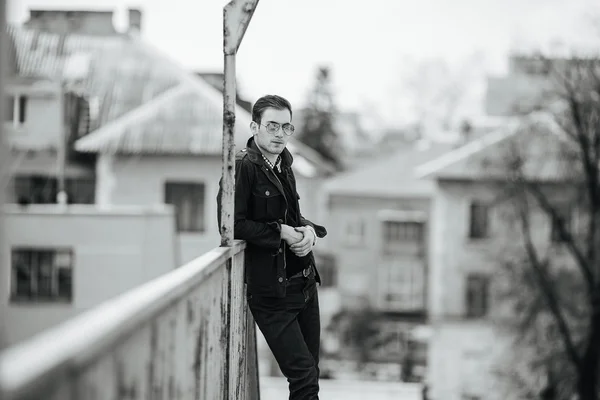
(586, 133)
(538, 267)
(564, 234)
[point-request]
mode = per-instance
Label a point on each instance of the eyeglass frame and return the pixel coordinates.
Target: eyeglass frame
(279, 126)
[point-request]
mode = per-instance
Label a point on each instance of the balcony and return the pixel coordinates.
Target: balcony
(186, 334)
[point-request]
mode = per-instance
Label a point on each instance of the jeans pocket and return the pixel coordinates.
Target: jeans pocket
(309, 289)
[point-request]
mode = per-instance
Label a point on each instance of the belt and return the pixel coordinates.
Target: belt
(304, 273)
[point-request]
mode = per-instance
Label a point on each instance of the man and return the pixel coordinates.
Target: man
(281, 275)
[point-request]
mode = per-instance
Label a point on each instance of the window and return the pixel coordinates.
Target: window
(405, 237)
(477, 295)
(188, 200)
(41, 275)
(479, 220)
(566, 213)
(22, 109)
(15, 109)
(34, 189)
(402, 284)
(327, 269)
(397, 232)
(81, 190)
(37, 189)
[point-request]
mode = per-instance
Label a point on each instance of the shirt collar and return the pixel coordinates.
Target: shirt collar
(270, 164)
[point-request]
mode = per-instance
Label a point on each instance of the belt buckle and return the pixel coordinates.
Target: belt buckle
(306, 272)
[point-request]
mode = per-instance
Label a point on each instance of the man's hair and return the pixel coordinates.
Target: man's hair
(269, 101)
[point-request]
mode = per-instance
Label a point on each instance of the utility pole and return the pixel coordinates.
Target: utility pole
(4, 168)
(61, 196)
(236, 17)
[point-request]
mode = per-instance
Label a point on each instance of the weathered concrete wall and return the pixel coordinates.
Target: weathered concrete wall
(113, 251)
(185, 335)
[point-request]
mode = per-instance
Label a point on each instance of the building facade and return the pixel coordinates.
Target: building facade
(65, 260)
(379, 254)
(117, 126)
(473, 231)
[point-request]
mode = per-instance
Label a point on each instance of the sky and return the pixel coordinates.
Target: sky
(371, 46)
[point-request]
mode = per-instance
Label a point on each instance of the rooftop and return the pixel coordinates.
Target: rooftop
(114, 73)
(536, 139)
(391, 177)
(140, 101)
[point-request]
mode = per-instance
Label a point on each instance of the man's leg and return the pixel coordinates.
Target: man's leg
(310, 324)
(277, 320)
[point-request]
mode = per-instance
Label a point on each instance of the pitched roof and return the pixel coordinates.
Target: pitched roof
(215, 79)
(140, 101)
(391, 177)
(186, 120)
(442, 165)
(121, 75)
(537, 140)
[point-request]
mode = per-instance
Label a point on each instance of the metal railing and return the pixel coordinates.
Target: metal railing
(185, 335)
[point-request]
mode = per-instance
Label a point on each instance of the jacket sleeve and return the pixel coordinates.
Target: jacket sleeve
(263, 234)
(319, 230)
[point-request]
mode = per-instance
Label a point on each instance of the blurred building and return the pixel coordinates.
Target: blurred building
(413, 246)
(112, 122)
(462, 221)
(215, 79)
(356, 140)
(378, 255)
(523, 88)
(469, 231)
(66, 260)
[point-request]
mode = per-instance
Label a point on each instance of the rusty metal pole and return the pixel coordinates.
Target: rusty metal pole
(4, 168)
(236, 17)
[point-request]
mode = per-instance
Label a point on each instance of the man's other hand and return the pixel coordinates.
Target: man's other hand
(290, 235)
(304, 246)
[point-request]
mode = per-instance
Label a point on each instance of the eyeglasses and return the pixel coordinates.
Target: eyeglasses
(273, 128)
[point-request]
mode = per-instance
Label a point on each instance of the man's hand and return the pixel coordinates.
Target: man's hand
(290, 235)
(304, 246)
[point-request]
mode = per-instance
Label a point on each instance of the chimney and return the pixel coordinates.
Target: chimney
(466, 132)
(135, 21)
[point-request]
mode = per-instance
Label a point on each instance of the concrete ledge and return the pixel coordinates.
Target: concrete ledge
(87, 209)
(55, 352)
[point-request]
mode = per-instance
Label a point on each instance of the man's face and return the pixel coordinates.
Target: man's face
(272, 143)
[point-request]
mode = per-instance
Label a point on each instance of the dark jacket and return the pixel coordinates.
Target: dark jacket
(260, 209)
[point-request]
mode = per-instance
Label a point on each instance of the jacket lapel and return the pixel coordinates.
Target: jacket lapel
(256, 157)
(274, 180)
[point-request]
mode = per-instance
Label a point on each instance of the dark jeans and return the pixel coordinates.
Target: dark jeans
(292, 329)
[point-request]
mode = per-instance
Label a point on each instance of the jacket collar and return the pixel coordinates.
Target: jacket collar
(255, 155)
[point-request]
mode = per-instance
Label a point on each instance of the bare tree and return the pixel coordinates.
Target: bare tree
(435, 89)
(548, 175)
(318, 128)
